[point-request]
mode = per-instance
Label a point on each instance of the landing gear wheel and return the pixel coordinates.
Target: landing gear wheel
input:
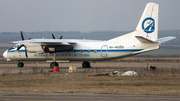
(20, 64)
(86, 64)
(54, 64)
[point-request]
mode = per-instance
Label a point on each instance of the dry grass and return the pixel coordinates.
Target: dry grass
(159, 82)
(163, 81)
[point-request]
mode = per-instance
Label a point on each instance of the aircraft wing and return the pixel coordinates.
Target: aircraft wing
(48, 45)
(165, 39)
(46, 41)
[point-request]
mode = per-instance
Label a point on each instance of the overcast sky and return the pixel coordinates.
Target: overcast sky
(82, 15)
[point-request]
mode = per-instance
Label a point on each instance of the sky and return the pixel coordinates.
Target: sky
(83, 15)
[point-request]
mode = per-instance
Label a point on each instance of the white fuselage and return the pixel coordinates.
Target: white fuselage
(90, 50)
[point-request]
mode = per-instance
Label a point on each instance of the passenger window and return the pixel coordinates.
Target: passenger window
(95, 51)
(74, 50)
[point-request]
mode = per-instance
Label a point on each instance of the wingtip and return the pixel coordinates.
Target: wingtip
(173, 37)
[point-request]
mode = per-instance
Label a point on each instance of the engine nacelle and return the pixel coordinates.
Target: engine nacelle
(39, 48)
(57, 48)
(34, 47)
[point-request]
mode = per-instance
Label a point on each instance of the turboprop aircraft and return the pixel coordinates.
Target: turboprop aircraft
(143, 39)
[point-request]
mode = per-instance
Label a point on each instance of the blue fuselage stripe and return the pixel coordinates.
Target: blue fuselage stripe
(120, 50)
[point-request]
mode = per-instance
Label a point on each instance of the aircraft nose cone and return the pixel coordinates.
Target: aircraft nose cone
(5, 54)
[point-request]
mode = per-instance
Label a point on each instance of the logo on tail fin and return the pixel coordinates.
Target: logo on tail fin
(148, 25)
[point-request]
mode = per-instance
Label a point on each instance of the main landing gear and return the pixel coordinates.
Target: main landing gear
(86, 64)
(54, 64)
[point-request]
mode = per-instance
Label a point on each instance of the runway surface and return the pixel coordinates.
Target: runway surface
(82, 97)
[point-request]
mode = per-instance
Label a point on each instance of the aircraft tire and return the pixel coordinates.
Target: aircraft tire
(54, 64)
(86, 64)
(20, 64)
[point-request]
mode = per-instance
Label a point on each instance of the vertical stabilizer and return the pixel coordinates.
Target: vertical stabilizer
(148, 24)
(147, 27)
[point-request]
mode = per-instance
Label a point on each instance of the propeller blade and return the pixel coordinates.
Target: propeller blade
(22, 37)
(61, 37)
(26, 52)
(25, 49)
(19, 47)
(53, 36)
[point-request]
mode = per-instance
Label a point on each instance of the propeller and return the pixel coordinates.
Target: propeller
(54, 36)
(25, 49)
(22, 45)
(22, 37)
(26, 52)
(61, 37)
(19, 47)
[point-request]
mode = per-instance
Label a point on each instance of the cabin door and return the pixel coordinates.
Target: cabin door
(104, 49)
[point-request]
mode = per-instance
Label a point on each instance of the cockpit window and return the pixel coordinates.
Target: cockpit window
(10, 48)
(16, 46)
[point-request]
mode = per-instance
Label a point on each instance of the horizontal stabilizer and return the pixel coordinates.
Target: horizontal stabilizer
(148, 49)
(144, 40)
(165, 39)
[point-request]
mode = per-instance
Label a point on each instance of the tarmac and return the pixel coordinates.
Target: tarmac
(82, 97)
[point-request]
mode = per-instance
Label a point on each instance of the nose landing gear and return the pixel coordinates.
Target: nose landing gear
(20, 64)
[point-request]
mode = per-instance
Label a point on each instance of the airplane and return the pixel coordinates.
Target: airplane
(143, 39)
